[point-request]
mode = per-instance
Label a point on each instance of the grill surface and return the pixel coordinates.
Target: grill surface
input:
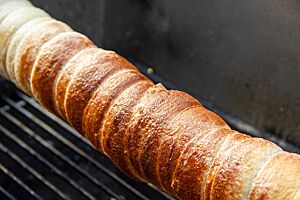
(41, 157)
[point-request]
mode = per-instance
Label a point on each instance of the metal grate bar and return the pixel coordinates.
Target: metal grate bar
(46, 162)
(153, 192)
(63, 140)
(32, 171)
(33, 103)
(164, 194)
(58, 153)
(7, 195)
(21, 183)
(71, 145)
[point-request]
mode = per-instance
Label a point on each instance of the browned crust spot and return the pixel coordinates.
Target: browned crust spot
(51, 59)
(80, 60)
(116, 123)
(31, 45)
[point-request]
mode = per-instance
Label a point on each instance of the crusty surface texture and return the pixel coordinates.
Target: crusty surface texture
(101, 100)
(10, 25)
(150, 125)
(233, 139)
(155, 135)
(236, 165)
(29, 48)
(50, 60)
(188, 124)
(117, 120)
(80, 60)
(85, 82)
(127, 134)
(193, 166)
(278, 179)
(15, 41)
(111, 65)
(108, 91)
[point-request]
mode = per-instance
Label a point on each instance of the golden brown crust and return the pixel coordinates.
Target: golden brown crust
(111, 63)
(234, 139)
(15, 41)
(238, 164)
(116, 123)
(185, 126)
(278, 179)
(193, 167)
(127, 134)
(175, 102)
(109, 92)
(116, 83)
(51, 59)
(152, 134)
(85, 82)
(29, 47)
(151, 117)
(80, 60)
(101, 101)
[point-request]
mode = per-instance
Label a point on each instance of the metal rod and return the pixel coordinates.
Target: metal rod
(62, 123)
(58, 153)
(45, 161)
(163, 193)
(32, 171)
(68, 143)
(18, 181)
(7, 194)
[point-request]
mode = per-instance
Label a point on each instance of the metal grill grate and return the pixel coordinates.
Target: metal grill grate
(41, 157)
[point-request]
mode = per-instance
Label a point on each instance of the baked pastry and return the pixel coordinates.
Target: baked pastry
(165, 137)
(9, 26)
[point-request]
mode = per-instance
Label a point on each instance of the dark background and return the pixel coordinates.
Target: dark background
(241, 56)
